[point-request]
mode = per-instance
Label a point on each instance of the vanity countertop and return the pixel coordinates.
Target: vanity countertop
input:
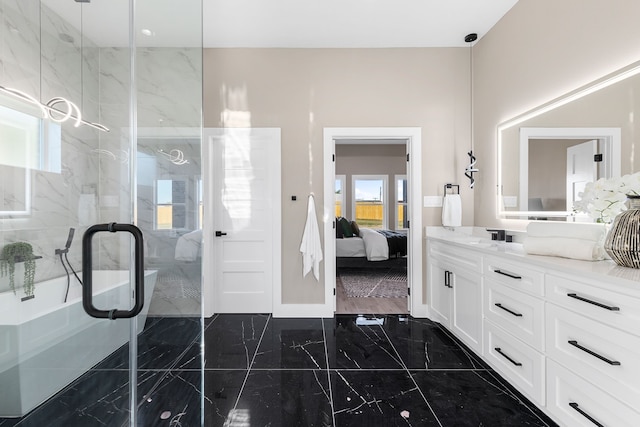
(477, 238)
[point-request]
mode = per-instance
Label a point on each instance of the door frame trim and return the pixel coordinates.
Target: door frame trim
(413, 136)
(208, 285)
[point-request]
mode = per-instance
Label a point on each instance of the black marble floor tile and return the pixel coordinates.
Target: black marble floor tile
(222, 389)
(351, 346)
(284, 398)
(422, 344)
(378, 398)
(98, 398)
(292, 344)
(175, 401)
(8, 422)
(475, 398)
(160, 345)
(230, 343)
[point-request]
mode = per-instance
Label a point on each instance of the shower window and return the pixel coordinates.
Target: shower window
(171, 207)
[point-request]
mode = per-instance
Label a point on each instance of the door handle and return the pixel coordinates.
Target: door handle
(87, 270)
(220, 233)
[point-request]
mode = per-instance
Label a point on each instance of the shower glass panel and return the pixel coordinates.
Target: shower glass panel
(137, 72)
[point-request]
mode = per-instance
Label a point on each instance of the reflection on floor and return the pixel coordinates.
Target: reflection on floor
(292, 372)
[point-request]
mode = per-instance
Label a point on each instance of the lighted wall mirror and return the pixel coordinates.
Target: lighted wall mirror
(547, 155)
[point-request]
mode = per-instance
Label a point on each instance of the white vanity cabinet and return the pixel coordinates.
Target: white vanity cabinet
(454, 286)
(593, 347)
(565, 333)
(514, 324)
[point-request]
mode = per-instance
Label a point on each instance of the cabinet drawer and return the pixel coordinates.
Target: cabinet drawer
(573, 401)
(520, 314)
(514, 274)
(604, 305)
(517, 362)
(454, 255)
(604, 356)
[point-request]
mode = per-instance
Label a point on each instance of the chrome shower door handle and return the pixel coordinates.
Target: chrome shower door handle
(87, 270)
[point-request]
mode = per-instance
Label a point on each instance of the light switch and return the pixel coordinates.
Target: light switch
(432, 201)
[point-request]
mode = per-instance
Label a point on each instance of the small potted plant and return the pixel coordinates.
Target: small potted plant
(19, 252)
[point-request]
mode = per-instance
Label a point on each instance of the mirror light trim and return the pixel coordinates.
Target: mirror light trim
(606, 81)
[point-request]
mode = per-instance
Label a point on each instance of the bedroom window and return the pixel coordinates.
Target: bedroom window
(370, 200)
(171, 207)
(401, 202)
(339, 195)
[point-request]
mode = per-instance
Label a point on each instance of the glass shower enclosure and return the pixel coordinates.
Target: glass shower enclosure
(100, 123)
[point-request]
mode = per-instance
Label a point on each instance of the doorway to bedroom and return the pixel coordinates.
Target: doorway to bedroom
(371, 244)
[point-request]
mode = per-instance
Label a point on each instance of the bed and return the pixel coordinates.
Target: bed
(375, 245)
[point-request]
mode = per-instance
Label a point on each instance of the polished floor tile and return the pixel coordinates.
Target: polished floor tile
(230, 342)
(352, 346)
(284, 398)
(423, 344)
(378, 398)
(159, 345)
(474, 398)
(292, 344)
(260, 371)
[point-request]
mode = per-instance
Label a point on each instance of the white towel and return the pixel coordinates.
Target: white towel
(451, 210)
(311, 248)
(573, 230)
(565, 247)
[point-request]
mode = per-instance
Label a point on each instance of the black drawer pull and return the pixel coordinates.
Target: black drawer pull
(608, 307)
(575, 406)
(593, 353)
(507, 310)
(499, 350)
(513, 276)
(447, 279)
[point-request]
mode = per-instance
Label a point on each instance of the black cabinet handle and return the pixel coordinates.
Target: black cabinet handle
(447, 279)
(507, 310)
(220, 233)
(575, 406)
(513, 276)
(87, 272)
(593, 353)
(499, 350)
(608, 307)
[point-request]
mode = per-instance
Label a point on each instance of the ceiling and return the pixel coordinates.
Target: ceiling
(286, 23)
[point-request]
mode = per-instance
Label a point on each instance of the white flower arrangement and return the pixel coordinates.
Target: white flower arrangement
(605, 198)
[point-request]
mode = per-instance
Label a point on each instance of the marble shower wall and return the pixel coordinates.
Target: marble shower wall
(47, 61)
(169, 100)
(94, 184)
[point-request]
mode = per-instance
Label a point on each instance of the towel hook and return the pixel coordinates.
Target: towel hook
(451, 186)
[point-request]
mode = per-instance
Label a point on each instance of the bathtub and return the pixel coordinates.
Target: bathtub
(46, 343)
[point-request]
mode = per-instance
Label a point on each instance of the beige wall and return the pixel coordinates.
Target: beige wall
(540, 50)
(303, 91)
(389, 160)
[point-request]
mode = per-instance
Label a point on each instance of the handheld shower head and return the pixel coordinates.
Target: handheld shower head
(68, 244)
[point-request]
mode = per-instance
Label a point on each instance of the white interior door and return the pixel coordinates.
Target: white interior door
(581, 169)
(243, 192)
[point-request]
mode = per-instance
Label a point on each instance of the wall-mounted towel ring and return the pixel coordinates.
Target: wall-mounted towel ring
(451, 186)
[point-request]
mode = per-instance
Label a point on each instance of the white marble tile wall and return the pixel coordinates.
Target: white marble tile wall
(93, 162)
